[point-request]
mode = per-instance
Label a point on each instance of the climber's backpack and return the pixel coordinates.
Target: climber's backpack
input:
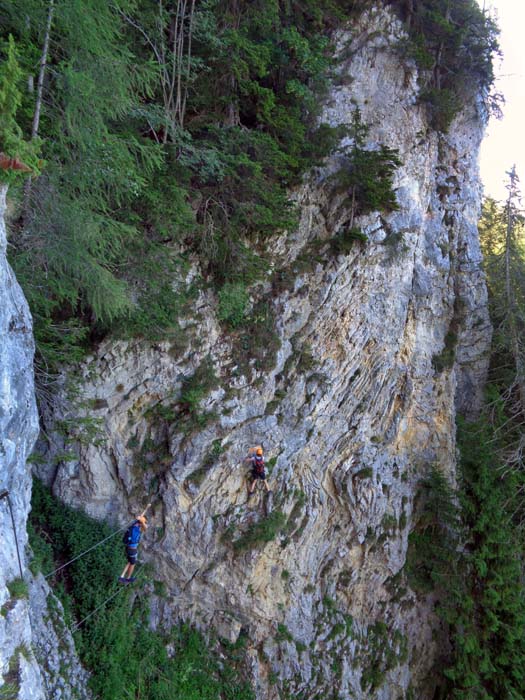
(128, 538)
(258, 466)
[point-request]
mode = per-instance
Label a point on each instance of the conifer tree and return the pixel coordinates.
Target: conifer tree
(16, 154)
(488, 617)
(502, 236)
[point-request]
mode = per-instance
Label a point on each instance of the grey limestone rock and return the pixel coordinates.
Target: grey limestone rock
(31, 654)
(18, 431)
(379, 348)
(54, 648)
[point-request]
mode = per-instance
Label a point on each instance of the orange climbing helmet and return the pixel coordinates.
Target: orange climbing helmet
(259, 451)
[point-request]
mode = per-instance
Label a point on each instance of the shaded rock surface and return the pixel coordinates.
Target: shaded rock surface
(54, 648)
(19, 671)
(377, 349)
(25, 660)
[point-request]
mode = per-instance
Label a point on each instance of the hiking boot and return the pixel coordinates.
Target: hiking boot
(131, 580)
(121, 579)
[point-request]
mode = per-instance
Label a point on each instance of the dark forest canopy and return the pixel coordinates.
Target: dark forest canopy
(174, 129)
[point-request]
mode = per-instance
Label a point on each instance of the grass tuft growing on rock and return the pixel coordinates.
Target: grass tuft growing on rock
(18, 588)
(261, 532)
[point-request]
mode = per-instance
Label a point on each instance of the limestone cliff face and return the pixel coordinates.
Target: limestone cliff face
(18, 431)
(37, 656)
(377, 348)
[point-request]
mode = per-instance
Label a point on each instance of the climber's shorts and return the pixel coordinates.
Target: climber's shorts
(259, 475)
(131, 554)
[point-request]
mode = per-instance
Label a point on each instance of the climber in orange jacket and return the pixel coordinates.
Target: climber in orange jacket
(256, 459)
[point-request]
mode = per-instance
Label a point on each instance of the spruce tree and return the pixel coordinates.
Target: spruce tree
(17, 155)
(502, 236)
(488, 618)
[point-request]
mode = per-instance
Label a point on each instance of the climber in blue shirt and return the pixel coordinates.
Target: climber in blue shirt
(131, 541)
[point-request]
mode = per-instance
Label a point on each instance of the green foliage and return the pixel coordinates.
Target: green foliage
(366, 181)
(194, 389)
(488, 618)
(181, 413)
(402, 520)
(186, 410)
(364, 473)
(257, 343)
(453, 43)
(270, 464)
(213, 453)
(432, 544)
(479, 581)
(233, 299)
(18, 588)
(283, 634)
(445, 359)
(344, 241)
(210, 459)
(484, 604)
(297, 513)
(12, 143)
(79, 248)
(159, 305)
(329, 605)
(9, 691)
(442, 105)
(117, 645)
(261, 532)
(501, 231)
(384, 651)
(132, 180)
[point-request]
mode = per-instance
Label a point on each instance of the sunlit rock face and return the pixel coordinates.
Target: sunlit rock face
(378, 349)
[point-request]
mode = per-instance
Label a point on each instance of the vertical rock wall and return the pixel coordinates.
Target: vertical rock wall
(37, 655)
(18, 431)
(377, 347)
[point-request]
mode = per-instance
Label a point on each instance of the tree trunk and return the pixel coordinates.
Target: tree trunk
(39, 94)
(439, 55)
(41, 73)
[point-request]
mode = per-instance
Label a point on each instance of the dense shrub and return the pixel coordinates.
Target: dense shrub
(261, 532)
(233, 299)
(454, 44)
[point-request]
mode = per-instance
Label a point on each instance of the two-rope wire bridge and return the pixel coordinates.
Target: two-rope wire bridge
(5, 495)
